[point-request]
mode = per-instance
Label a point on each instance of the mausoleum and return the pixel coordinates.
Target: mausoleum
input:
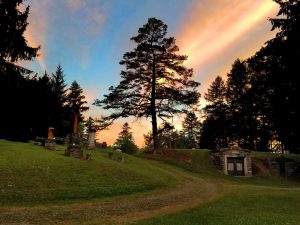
(235, 161)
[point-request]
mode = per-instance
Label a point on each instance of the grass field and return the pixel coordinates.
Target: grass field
(45, 187)
(32, 174)
(245, 201)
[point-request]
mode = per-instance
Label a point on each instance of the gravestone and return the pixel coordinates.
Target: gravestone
(74, 146)
(49, 142)
(91, 139)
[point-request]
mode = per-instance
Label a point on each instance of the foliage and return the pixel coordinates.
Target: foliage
(125, 140)
(59, 112)
(14, 88)
(75, 102)
(261, 106)
(191, 128)
(13, 45)
(155, 82)
(168, 137)
(214, 128)
(242, 115)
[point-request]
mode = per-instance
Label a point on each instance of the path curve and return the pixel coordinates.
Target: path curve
(191, 191)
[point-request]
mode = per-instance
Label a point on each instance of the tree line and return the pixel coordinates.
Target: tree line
(31, 103)
(257, 107)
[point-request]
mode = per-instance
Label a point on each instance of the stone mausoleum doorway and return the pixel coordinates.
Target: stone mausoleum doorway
(235, 166)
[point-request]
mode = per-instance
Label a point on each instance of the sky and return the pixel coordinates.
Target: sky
(89, 37)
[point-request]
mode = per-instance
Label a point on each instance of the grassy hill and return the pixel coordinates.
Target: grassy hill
(32, 174)
(45, 187)
(259, 200)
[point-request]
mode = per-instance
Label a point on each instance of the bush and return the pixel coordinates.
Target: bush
(128, 146)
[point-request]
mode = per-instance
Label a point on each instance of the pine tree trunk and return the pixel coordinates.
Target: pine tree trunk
(153, 109)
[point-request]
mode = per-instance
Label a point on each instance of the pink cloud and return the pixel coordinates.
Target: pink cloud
(216, 32)
(212, 27)
(35, 33)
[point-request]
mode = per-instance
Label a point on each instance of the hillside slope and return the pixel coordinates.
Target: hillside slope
(32, 174)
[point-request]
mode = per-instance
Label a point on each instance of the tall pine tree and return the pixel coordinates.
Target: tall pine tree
(59, 95)
(191, 128)
(13, 86)
(13, 45)
(155, 83)
(215, 126)
(76, 103)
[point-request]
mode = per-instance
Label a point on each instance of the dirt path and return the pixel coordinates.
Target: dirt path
(190, 192)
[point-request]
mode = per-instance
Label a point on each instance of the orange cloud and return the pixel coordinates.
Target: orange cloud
(204, 38)
(35, 33)
(211, 27)
(138, 128)
(216, 32)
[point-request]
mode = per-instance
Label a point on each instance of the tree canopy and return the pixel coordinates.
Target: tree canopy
(262, 92)
(155, 83)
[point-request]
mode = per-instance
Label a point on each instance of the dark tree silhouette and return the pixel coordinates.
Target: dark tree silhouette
(155, 83)
(242, 118)
(191, 128)
(42, 105)
(281, 57)
(75, 102)
(125, 140)
(214, 129)
(274, 82)
(13, 45)
(59, 111)
(262, 92)
(14, 87)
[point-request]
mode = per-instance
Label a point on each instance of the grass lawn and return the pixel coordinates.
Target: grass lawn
(240, 206)
(31, 174)
(45, 187)
(245, 201)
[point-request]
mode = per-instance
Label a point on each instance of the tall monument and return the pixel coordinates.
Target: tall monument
(49, 142)
(74, 147)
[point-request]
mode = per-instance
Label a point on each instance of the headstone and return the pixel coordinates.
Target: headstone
(88, 156)
(50, 133)
(74, 147)
(91, 141)
(50, 143)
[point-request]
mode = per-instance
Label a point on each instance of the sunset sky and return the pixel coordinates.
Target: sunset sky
(89, 37)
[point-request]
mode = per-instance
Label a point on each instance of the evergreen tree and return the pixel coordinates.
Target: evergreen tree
(215, 126)
(191, 128)
(43, 106)
(281, 57)
(155, 83)
(76, 103)
(242, 112)
(169, 138)
(125, 140)
(59, 86)
(13, 45)
(13, 85)
(59, 110)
